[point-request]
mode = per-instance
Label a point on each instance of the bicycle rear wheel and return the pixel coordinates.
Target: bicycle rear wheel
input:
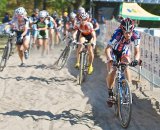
(60, 63)
(5, 56)
(125, 104)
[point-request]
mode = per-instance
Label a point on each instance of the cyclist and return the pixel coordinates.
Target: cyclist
(33, 19)
(65, 22)
(87, 33)
(118, 47)
(72, 25)
(51, 25)
(80, 11)
(42, 27)
(20, 24)
(58, 29)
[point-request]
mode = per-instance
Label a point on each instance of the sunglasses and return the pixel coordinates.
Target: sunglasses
(19, 16)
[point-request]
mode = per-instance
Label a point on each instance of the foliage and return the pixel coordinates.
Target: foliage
(3, 6)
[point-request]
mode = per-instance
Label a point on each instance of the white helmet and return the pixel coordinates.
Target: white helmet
(42, 14)
(81, 10)
(47, 14)
(20, 11)
(72, 15)
(84, 16)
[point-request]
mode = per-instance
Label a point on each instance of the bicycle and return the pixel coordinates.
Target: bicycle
(83, 63)
(64, 56)
(7, 51)
(122, 96)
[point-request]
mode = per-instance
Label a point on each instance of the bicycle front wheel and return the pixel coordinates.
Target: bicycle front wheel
(124, 104)
(81, 69)
(5, 56)
(115, 94)
(60, 63)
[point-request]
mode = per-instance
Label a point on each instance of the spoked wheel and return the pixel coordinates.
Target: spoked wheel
(125, 104)
(5, 57)
(116, 98)
(83, 68)
(60, 63)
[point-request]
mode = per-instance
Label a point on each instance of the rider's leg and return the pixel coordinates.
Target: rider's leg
(81, 40)
(51, 37)
(111, 75)
(128, 74)
(20, 52)
(26, 46)
(26, 42)
(91, 54)
(45, 46)
(91, 58)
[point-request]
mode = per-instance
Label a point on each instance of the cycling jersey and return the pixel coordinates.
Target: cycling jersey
(19, 28)
(86, 29)
(42, 33)
(120, 45)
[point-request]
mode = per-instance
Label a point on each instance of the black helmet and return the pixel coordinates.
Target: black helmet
(127, 25)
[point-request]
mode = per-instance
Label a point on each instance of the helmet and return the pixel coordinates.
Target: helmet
(72, 15)
(84, 16)
(20, 11)
(65, 13)
(127, 25)
(81, 10)
(47, 13)
(36, 10)
(42, 14)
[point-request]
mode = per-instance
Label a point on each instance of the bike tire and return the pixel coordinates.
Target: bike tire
(62, 60)
(115, 94)
(125, 94)
(5, 56)
(80, 78)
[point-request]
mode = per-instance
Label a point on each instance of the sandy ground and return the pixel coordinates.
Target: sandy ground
(36, 97)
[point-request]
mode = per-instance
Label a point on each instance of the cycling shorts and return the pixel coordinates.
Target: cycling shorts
(43, 34)
(87, 37)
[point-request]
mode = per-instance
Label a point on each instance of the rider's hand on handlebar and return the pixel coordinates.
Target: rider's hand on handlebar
(134, 63)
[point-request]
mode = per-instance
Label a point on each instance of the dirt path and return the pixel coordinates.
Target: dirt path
(39, 98)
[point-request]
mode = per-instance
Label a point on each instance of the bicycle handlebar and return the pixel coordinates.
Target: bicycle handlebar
(126, 64)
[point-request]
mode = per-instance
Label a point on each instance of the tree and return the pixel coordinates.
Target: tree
(3, 6)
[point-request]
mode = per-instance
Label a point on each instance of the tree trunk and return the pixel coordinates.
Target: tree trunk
(35, 4)
(44, 4)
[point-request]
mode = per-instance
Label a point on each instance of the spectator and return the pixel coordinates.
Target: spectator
(6, 18)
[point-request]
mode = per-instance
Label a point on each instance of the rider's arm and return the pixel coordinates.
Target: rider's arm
(137, 53)
(74, 35)
(108, 52)
(25, 29)
(136, 45)
(111, 45)
(94, 37)
(97, 27)
(54, 22)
